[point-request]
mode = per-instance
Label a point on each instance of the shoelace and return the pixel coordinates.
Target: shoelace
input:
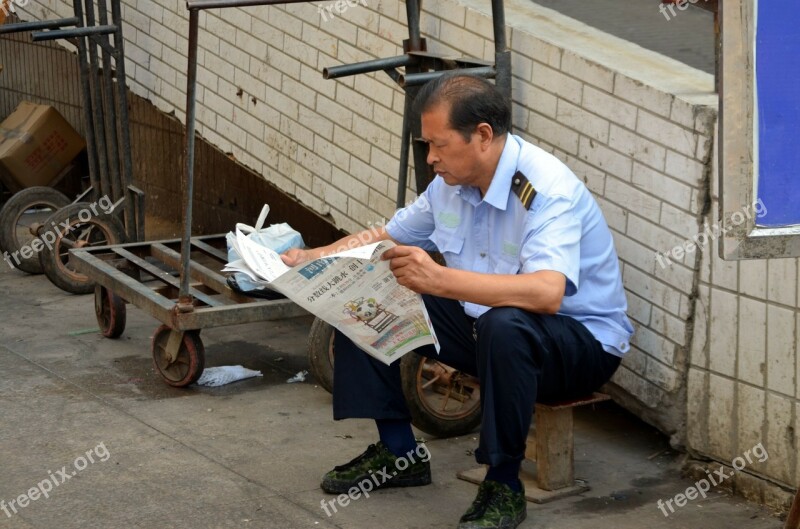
(484, 499)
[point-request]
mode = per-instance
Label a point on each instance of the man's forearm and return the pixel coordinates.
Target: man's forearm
(540, 292)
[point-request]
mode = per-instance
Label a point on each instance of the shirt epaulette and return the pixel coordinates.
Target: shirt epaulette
(522, 187)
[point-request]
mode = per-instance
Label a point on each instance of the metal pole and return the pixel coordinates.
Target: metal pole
(412, 13)
(502, 56)
(405, 136)
(417, 79)
(185, 298)
(373, 65)
(86, 92)
(97, 105)
(33, 26)
(110, 113)
(133, 230)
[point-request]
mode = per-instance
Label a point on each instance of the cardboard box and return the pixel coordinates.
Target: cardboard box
(36, 144)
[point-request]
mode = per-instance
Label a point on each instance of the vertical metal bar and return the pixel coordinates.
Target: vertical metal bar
(502, 56)
(86, 94)
(185, 298)
(97, 105)
(422, 171)
(122, 100)
(412, 13)
(499, 23)
(110, 114)
(405, 135)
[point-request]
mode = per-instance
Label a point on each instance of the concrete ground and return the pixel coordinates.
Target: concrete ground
(251, 454)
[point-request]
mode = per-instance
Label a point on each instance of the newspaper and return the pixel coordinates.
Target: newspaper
(354, 291)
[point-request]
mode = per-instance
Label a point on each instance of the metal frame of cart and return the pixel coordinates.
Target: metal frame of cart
(169, 279)
(146, 275)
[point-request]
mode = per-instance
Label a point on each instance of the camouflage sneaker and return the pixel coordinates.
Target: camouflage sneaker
(495, 507)
(377, 466)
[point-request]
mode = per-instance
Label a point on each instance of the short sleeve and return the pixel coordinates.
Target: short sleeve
(414, 224)
(552, 241)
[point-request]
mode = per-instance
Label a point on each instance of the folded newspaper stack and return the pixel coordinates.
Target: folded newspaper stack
(354, 291)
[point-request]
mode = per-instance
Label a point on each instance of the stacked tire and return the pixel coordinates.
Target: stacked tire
(38, 227)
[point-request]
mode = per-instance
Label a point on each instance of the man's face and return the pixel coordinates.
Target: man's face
(456, 160)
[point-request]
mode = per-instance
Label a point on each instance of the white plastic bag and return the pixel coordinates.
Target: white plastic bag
(277, 237)
(219, 376)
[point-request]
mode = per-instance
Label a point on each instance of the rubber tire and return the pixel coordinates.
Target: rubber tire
(422, 416)
(321, 353)
(191, 347)
(111, 312)
(59, 273)
(13, 209)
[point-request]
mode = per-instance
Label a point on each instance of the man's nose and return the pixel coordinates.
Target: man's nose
(432, 156)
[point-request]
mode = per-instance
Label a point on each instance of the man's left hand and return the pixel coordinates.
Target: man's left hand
(414, 269)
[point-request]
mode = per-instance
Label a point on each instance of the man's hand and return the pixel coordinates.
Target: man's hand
(415, 269)
(295, 256)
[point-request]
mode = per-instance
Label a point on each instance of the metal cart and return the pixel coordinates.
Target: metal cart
(177, 281)
(147, 276)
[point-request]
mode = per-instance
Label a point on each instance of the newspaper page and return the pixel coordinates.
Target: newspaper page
(354, 291)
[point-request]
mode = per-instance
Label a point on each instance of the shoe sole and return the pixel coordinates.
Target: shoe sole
(509, 524)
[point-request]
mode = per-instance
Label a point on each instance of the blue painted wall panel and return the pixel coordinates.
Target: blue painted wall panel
(778, 82)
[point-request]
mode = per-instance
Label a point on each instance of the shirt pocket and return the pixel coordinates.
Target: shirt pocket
(450, 246)
(508, 265)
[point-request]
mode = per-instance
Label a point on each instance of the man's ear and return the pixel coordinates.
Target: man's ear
(486, 134)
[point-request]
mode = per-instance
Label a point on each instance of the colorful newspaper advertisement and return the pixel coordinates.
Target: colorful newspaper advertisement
(354, 291)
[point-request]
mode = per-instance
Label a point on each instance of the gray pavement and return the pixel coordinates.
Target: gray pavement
(688, 36)
(251, 454)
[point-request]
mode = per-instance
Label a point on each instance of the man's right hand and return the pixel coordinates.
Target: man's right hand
(295, 256)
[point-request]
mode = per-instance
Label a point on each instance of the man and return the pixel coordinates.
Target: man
(531, 300)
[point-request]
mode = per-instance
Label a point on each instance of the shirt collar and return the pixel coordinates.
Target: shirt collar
(500, 188)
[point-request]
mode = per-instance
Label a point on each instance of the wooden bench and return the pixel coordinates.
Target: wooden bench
(550, 447)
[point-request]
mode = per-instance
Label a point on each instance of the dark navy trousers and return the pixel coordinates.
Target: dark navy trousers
(520, 358)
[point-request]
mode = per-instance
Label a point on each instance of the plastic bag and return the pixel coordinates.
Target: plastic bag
(277, 237)
(219, 376)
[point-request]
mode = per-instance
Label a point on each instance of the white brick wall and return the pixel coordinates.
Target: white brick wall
(714, 361)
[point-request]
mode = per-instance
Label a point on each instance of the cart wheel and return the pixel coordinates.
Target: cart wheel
(189, 361)
(76, 226)
(29, 206)
(321, 353)
(443, 401)
(110, 311)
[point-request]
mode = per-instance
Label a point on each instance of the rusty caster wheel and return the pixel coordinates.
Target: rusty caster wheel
(75, 226)
(110, 311)
(443, 401)
(178, 357)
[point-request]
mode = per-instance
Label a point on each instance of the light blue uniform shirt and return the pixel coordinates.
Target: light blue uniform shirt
(564, 231)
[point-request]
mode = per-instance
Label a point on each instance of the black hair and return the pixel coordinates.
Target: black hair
(472, 100)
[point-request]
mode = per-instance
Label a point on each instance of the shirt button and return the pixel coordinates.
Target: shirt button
(483, 254)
